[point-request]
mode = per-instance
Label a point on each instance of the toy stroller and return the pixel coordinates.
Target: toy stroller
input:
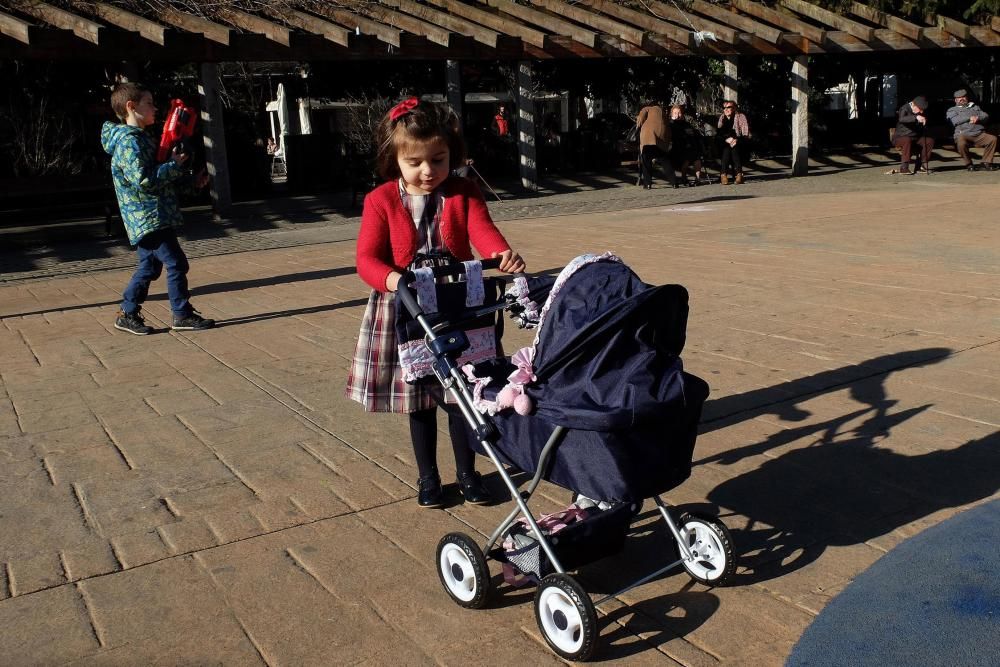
(602, 407)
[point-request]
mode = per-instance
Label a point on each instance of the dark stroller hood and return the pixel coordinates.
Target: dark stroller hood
(607, 353)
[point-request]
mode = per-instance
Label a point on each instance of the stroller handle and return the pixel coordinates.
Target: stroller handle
(405, 294)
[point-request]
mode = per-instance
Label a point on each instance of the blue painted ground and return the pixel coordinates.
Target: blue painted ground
(932, 601)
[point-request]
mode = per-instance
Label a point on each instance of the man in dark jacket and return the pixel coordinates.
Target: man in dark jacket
(968, 120)
(912, 129)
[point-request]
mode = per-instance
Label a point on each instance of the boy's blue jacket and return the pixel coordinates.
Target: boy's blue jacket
(146, 190)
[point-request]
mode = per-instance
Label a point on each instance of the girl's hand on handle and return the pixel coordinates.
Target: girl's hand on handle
(510, 261)
(392, 281)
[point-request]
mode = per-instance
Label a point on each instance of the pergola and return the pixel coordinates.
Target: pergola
(457, 30)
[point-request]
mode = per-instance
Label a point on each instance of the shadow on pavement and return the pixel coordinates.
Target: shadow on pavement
(842, 488)
(290, 313)
(214, 288)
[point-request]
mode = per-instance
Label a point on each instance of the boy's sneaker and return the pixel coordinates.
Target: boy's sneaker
(193, 322)
(132, 323)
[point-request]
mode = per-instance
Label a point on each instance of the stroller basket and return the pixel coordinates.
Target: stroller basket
(600, 534)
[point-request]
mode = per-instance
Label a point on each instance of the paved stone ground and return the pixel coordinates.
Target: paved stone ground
(211, 498)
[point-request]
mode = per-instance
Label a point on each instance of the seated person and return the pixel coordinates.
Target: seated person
(911, 128)
(968, 120)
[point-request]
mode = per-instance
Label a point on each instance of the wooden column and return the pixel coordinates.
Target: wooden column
(730, 77)
(800, 116)
(215, 139)
(455, 96)
(526, 150)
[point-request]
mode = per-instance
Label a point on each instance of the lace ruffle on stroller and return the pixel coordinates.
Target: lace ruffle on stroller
(599, 404)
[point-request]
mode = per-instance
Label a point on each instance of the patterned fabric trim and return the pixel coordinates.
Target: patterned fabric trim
(475, 291)
(426, 292)
(418, 361)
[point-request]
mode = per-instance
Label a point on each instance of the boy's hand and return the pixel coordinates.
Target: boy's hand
(510, 261)
(202, 179)
(178, 157)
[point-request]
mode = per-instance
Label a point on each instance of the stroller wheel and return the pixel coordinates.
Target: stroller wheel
(566, 617)
(463, 570)
(711, 546)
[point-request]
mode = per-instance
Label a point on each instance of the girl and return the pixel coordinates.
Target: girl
(420, 210)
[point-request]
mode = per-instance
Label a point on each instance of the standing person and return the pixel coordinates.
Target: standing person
(685, 145)
(654, 143)
(418, 210)
(968, 120)
(501, 124)
(912, 129)
(732, 136)
(147, 199)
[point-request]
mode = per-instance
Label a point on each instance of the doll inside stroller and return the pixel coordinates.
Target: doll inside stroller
(599, 404)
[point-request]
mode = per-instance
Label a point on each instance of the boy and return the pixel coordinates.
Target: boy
(148, 202)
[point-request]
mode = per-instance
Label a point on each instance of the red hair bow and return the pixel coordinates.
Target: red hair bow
(403, 108)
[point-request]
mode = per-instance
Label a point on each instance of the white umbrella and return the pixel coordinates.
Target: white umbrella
(282, 114)
(304, 121)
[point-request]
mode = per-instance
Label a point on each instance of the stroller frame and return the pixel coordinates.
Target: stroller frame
(564, 610)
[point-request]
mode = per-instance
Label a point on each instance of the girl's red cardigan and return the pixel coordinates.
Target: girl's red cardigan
(388, 238)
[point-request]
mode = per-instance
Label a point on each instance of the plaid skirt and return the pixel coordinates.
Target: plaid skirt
(376, 377)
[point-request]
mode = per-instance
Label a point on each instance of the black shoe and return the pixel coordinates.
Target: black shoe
(970, 167)
(132, 323)
(987, 167)
(193, 322)
(473, 489)
(429, 492)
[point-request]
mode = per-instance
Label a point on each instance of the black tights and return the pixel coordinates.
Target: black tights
(423, 433)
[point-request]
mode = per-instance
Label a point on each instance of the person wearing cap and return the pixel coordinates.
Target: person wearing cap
(968, 120)
(911, 128)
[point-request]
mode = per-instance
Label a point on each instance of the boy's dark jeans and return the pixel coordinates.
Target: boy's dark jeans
(157, 250)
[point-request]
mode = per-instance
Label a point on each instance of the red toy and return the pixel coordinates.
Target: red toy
(179, 126)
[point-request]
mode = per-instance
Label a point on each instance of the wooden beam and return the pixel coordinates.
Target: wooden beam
(497, 22)
(191, 23)
(409, 23)
(16, 28)
(748, 25)
(905, 28)
(953, 27)
(60, 18)
(255, 24)
(311, 24)
(602, 23)
(984, 35)
(995, 23)
(645, 21)
(360, 23)
(116, 16)
(670, 12)
(942, 38)
(895, 41)
(840, 41)
(547, 21)
(448, 21)
(755, 9)
(826, 17)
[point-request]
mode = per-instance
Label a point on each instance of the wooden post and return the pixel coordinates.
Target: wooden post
(800, 116)
(215, 139)
(526, 126)
(730, 77)
(455, 96)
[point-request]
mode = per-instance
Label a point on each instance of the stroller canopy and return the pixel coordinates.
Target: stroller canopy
(607, 352)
